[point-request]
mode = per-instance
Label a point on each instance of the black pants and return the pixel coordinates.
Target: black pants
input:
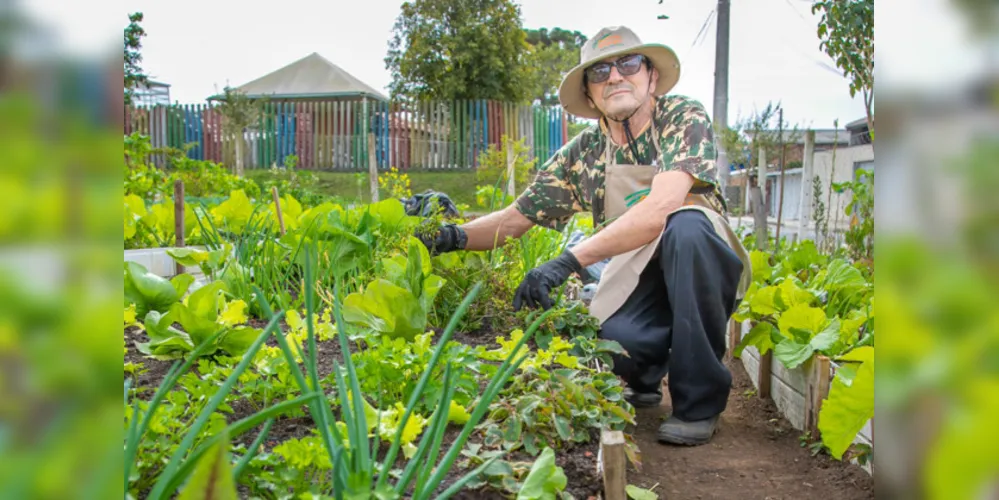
(675, 320)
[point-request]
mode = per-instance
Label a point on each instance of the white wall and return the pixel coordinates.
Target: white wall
(846, 158)
(792, 194)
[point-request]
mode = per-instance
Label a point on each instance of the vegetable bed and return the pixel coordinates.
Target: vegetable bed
(222, 374)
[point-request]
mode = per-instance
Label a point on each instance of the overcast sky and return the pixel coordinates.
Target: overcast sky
(199, 46)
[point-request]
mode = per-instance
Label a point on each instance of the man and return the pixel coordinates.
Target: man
(647, 172)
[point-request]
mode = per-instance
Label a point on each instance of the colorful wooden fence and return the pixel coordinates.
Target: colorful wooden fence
(332, 135)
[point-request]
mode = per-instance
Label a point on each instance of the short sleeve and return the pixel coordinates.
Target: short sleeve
(551, 199)
(687, 141)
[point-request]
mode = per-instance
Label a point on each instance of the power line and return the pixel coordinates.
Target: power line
(700, 34)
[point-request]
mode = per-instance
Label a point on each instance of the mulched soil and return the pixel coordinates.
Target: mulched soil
(755, 454)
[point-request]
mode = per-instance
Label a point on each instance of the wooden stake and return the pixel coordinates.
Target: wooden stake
(614, 463)
(510, 161)
(764, 373)
(178, 219)
(818, 390)
(277, 208)
(372, 168)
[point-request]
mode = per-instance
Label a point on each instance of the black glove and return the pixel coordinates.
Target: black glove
(540, 281)
(449, 238)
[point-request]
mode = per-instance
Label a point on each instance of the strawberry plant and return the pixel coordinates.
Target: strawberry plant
(389, 369)
(553, 400)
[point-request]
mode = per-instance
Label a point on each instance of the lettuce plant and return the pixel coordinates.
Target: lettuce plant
(201, 315)
(150, 292)
(397, 305)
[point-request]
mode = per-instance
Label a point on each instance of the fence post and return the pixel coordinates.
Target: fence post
(807, 169)
(372, 168)
(760, 204)
(178, 219)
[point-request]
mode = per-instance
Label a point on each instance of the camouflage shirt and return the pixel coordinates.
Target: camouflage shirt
(573, 179)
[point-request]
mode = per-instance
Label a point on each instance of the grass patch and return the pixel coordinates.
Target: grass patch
(460, 186)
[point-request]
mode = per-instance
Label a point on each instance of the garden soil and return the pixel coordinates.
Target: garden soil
(756, 454)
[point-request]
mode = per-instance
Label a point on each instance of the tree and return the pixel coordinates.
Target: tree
(239, 112)
(133, 43)
(846, 34)
(459, 49)
(552, 54)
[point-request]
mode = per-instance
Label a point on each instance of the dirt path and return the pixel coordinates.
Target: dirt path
(756, 454)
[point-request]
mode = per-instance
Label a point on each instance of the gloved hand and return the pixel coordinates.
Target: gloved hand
(449, 238)
(540, 281)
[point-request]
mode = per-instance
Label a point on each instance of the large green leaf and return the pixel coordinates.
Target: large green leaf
(544, 480)
(197, 327)
(233, 213)
(804, 256)
(386, 308)
(791, 294)
(135, 209)
(848, 407)
(165, 349)
(804, 318)
(165, 341)
(389, 213)
(760, 264)
(150, 292)
(792, 353)
(764, 302)
(190, 257)
(238, 340)
(206, 301)
(431, 287)
(760, 337)
(840, 275)
(212, 478)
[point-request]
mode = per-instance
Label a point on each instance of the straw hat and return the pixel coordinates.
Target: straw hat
(610, 42)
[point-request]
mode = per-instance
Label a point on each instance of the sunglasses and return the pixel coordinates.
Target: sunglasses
(626, 66)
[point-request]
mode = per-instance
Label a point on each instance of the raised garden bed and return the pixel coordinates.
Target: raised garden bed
(797, 393)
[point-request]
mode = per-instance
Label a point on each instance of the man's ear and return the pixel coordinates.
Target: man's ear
(653, 79)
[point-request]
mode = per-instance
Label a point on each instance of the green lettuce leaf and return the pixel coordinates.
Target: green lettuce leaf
(386, 308)
(150, 292)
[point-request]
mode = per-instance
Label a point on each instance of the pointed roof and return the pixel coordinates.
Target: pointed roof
(312, 76)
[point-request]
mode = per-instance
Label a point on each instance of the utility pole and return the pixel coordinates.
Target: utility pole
(720, 118)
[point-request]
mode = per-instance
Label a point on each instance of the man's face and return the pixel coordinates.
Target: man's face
(619, 89)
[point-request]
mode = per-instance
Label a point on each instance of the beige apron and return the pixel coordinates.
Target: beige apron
(623, 186)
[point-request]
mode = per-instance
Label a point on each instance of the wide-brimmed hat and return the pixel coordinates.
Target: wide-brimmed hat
(610, 42)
